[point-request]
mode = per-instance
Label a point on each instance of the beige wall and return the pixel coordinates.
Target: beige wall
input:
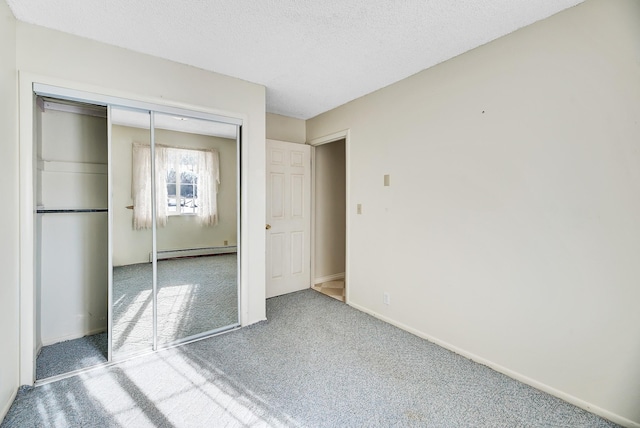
(181, 232)
(330, 210)
(8, 217)
(285, 128)
(510, 230)
(66, 60)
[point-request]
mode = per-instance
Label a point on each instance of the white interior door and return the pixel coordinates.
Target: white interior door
(288, 217)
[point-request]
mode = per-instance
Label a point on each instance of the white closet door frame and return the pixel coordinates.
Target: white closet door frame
(105, 100)
(29, 86)
(110, 220)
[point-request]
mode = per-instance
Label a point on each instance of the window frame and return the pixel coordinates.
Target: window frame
(175, 164)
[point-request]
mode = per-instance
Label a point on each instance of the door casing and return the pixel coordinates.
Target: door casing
(330, 138)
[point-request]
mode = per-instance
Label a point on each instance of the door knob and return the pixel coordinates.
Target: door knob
(268, 226)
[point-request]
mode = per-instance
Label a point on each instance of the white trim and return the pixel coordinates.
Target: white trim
(344, 134)
(110, 235)
(243, 302)
(620, 420)
(191, 252)
(312, 232)
(243, 228)
(8, 404)
(27, 244)
(334, 277)
(33, 78)
(47, 90)
(336, 136)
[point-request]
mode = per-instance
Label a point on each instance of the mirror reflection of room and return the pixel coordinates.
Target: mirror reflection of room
(196, 229)
(197, 237)
(132, 284)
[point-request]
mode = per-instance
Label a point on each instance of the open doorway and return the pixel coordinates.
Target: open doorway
(329, 226)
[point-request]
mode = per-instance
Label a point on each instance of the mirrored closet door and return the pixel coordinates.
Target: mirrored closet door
(197, 226)
(174, 229)
(137, 229)
(132, 309)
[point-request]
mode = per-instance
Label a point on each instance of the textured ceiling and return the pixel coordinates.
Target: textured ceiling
(312, 55)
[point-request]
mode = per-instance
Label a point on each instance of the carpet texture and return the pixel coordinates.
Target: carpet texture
(195, 295)
(71, 355)
(315, 363)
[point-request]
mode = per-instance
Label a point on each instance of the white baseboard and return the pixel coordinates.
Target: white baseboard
(620, 420)
(191, 252)
(6, 406)
(51, 341)
(334, 277)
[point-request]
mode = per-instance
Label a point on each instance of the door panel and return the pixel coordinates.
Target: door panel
(277, 255)
(298, 194)
(277, 196)
(297, 253)
(288, 214)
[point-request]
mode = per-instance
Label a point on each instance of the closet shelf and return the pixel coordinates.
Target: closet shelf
(72, 167)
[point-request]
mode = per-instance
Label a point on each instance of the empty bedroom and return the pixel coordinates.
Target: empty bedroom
(320, 214)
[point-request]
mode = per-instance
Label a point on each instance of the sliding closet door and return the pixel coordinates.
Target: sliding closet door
(151, 211)
(132, 294)
(197, 234)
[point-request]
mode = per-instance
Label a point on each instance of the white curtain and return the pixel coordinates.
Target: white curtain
(208, 181)
(162, 210)
(141, 186)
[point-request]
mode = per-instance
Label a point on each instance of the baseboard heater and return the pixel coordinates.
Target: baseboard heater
(194, 252)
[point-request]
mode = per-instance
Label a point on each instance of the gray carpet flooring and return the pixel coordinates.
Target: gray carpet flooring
(195, 295)
(71, 355)
(315, 363)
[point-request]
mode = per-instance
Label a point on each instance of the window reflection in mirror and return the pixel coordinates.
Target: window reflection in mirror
(196, 170)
